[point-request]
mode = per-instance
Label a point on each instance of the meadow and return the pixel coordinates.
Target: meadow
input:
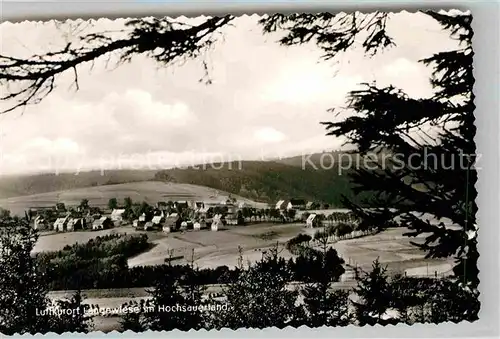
(212, 249)
(149, 191)
(209, 249)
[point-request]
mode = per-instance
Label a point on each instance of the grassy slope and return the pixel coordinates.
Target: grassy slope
(256, 180)
(149, 191)
(13, 186)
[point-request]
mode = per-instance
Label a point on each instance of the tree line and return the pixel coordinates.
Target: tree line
(263, 296)
(270, 292)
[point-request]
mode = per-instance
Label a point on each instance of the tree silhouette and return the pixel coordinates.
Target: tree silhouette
(134, 321)
(324, 307)
(84, 204)
(22, 284)
(24, 288)
(259, 298)
(373, 289)
(76, 321)
(112, 203)
(127, 203)
(60, 207)
(388, 120)
(165, 40)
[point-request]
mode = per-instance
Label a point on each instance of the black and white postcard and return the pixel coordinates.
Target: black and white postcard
(161, 173)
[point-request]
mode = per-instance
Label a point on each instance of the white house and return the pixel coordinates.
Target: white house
(202, 211)
(117, 215)
(39, 223)
(172, 221)
(196, 226)
(310, 220)
(148, 226)
(75, 224)
(158, 219)
(61, 223)
(216, 222)
(283, 205)
(184, 225)
(298, 204)
(232, 219)
(101, 223)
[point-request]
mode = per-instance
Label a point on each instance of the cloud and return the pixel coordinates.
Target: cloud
(264, 97)
(268, 135)
(411, 76)
(401, 67)
(59, 145)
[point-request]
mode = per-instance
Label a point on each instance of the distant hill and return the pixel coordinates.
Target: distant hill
(13, 186)
(324, 159)
(330, 160)
(266, 181)
(148, 191)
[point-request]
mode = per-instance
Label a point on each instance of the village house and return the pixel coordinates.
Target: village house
(184, 226)
(313, 221)
(102, 223)
(75, 224)
(202, 212)
(216, 222)
(172, 222)
(231, 208)
(61, 223)
(88, 218)
(198, 225)
(298, 204)
(40, 224)
(231, 219)
(158, 220)
(138, 224)
(283, 205)
(182, 204)
(117, 215)
(148, 226)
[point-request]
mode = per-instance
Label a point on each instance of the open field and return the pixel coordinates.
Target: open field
(56, 241)
(211, 249)
(393, 249)
(149, 191)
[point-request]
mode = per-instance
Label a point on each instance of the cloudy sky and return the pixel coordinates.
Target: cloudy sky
(266, 100)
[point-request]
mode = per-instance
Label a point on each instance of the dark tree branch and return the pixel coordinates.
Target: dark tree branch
(163, 40)
(333, 33)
